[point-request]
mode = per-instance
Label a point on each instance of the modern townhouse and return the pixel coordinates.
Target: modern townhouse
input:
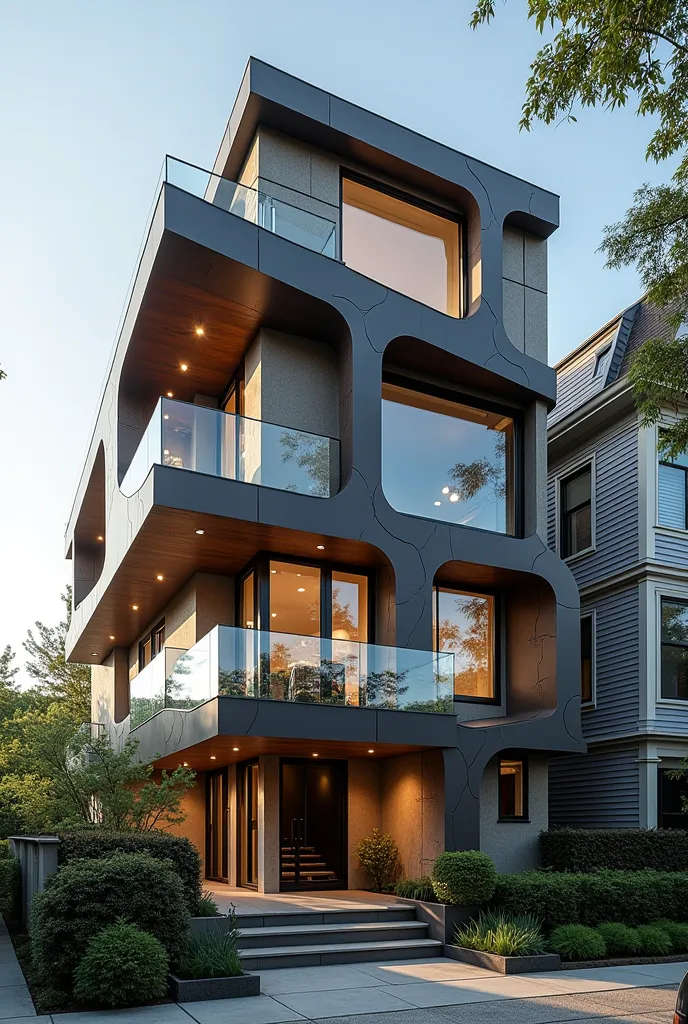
(618, 517)
(309, 539)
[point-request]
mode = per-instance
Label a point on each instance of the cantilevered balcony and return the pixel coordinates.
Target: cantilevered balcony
(234, 662)
(202, 440)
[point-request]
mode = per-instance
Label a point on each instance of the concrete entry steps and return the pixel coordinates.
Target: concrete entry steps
(338, 937)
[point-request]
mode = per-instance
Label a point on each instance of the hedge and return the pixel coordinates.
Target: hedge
(619, 849)
(10, 886)
(631, 897)
(98, 842)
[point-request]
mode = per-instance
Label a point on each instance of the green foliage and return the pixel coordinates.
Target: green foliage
(654, 941)
(629, 897)
(96, 842)
(416, 889)
(677, 932)
(577, 942)
(85, 896)
(497, 931)
(10, 886)
(62, 681)
(211, 955)
(378, 856)
(619, 939)
(122, 966)
(466, 877)
(206, 905)
(624, 849)
(4, 849)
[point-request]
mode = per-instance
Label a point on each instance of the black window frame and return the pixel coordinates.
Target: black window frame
(588, 616)
(498, 619)
(514, 755)
(564, 513)
(670, 464)
(682, 645)
(666, 818)
(156, 636)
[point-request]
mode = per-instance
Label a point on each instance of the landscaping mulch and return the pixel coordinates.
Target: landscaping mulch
(626, 961)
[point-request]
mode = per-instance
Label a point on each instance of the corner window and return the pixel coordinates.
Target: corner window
(445, 460)
(674, 638)
(409, 246)
(513, 789)
(464, 625)
(672, 491)
(576, 512)
(587, 642)
(151, 645)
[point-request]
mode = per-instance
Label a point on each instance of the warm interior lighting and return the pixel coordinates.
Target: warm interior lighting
(135, 607)
(274, 615)
(160, 576)
(200, 332)
(170, 394)
(235, 749)
(200, 532)
(321, 547)
(111, 637)
(301, 590)
(184, 367)
(99, 538)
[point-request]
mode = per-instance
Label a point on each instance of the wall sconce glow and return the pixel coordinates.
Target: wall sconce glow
(184, 367)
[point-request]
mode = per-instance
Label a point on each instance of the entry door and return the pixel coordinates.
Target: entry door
(312, 824)
(248, 824)
(216, 826)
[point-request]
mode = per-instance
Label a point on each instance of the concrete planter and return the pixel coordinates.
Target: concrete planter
(194, 990)
(504, 964)
(442, 918)
(219, 924)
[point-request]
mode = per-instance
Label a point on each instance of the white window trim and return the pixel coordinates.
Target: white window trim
(591, 613)
(682, 595)
(666, 421)
(571, 470)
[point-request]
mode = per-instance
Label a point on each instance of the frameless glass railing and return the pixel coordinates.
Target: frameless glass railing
(289, 220)
(234, 662)
(221, 444)
(147, 689)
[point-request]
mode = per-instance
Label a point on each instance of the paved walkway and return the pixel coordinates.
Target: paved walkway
(248, 902)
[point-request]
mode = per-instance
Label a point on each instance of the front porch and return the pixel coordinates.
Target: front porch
(248, 903)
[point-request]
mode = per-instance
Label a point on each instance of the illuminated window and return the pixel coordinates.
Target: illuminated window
(151, 645)
(513, 789)
(464, 624)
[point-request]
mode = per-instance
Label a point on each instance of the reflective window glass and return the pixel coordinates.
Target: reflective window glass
(294, 598)
(464, 625)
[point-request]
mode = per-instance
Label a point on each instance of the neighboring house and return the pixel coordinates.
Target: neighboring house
(309, 540)
(618, 517)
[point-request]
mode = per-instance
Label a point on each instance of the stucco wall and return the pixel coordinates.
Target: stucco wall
(513, 846)
(364, 813)
(412, 804)
(193, 805)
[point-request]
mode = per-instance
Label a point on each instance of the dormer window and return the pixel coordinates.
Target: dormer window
(602, 360)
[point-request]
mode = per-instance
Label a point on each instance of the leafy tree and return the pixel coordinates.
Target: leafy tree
(603, 52)
(8, 671)
(55, 677)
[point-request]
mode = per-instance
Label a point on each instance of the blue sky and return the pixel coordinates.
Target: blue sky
(94, 94)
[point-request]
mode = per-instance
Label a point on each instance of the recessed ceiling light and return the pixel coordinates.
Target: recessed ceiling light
(99, 537)
(213, 758)
(235, 749)
(166, 451)
(111, 636)
(316, 755)
(170, 394)
(94, 654)
(200, 532)
(445, 490)
(371, 751)
(166, 416)
(438, 502)
(321, 547)
(453, 497)
(184, 367)
(186, 764)
(200, 332)
(301, 590)
(135, 607)
(273, 571)
(274, 615)
(160, 576)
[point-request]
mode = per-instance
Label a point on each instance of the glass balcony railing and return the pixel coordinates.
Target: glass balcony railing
(147, 689)
(221, 444)
(281, 218)
(234, 662)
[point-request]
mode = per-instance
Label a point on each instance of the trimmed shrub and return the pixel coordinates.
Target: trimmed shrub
(85, 896)
(98, 842)
(577, 942)
(654, 941)
(619, 849)
(416, 889)
(378, 856)
(122, 966)
(10, 886)
(628, 897)
(619, 939)
(4, 849)
(506, 934)
(677, 932)
(466, 877)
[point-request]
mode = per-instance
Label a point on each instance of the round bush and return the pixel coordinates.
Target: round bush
(577, 942)
(85, 896)
(122, 966)
(677, 932)
(619, 939)
(654, 941)
(467, 878)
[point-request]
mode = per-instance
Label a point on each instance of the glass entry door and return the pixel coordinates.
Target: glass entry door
(216, 826)
(248, 824)
(312, 824)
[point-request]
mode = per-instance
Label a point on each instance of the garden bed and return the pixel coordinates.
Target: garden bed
(191, 990)
(504, 964)
(626, 961)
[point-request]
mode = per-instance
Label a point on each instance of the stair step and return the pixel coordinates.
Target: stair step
(304, 849)
(307, 875)
(289, 918)
(273, 957)
(328, 934)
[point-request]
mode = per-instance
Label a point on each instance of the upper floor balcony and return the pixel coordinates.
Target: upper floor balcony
(218, 443)
(234, 662)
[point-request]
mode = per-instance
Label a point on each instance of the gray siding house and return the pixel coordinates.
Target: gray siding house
(618, 516)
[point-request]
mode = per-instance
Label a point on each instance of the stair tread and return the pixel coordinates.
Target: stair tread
(396, 908)
(307, 929)
(343, 947)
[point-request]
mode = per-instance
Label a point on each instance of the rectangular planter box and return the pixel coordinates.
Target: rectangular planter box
(193, 990)
(442, 918)
(504, 964)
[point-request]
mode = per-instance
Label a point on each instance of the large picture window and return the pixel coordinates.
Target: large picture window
(576, 512)
(445, 460)
(464, 625)
(672, 488)
(674, 636)
(411, 248)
